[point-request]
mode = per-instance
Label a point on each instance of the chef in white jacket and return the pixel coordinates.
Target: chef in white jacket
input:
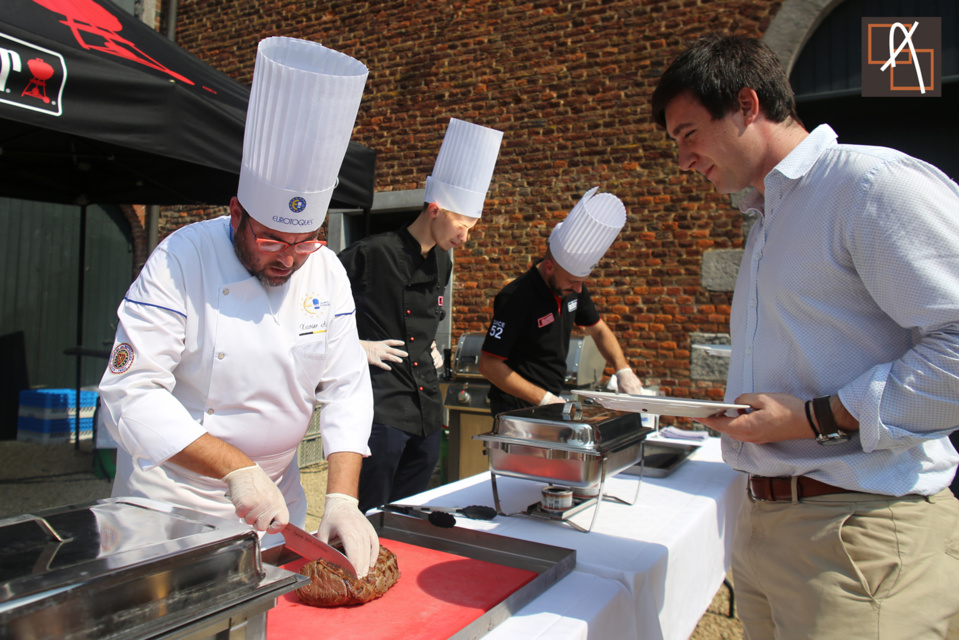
(237, 327)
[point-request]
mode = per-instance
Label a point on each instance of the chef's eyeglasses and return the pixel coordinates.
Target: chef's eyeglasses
(267, 245)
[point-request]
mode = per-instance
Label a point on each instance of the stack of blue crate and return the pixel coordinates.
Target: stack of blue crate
(49, 415)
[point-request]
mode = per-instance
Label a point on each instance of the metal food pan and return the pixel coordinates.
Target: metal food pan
(128, 568)
(571, 427)
(551, 563)
(662, 458)
(553, 465)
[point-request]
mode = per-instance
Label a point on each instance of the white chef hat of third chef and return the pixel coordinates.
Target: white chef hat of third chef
(303, 105)
(580, 241)
(464, 168)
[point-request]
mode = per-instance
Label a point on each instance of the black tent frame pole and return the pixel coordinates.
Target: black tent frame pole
(80, 279)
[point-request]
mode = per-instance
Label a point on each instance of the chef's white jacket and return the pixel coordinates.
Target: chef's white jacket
(203, 347)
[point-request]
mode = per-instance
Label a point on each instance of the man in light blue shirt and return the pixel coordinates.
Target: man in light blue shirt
(845, 334)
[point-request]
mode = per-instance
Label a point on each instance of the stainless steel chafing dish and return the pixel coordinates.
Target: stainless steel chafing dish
(572, 444)
(131, 568)
(467, 403)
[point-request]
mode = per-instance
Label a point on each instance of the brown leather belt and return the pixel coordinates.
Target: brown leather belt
(779, 489)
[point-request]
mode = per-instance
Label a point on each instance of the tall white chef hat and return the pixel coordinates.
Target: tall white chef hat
(303, 105)
(464, 168)
(580, 241)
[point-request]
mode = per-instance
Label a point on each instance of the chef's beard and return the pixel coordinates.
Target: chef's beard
(243, 254)
(551, 283)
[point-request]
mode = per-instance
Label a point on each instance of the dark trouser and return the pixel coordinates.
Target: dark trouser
(400, 465)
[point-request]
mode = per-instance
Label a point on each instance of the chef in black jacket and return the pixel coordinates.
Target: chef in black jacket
(524, 353)
(398, 279)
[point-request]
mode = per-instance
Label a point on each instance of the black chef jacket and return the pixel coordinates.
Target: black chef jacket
(399, 295)
(530, 330)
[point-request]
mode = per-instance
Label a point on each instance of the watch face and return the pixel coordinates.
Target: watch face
(833, 438)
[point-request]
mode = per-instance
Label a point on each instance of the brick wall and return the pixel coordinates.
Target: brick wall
(569, 84)
(135, 215)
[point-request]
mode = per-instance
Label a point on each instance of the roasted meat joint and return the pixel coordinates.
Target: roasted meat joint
(330, 586)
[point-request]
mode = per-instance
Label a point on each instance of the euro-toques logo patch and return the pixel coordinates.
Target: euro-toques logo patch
(901, 57)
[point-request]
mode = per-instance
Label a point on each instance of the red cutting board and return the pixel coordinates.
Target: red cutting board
(437, 595)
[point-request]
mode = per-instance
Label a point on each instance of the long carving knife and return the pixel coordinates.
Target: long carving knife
(311, 548)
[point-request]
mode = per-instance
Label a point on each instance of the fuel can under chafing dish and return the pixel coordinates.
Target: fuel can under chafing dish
(568, 444)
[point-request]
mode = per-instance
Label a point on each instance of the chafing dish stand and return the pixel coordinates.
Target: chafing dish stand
(568, 445)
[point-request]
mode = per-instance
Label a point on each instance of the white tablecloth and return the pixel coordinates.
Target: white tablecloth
(647, 570)
(581, 606)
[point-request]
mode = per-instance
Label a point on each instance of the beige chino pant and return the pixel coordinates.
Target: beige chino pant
(849, 565)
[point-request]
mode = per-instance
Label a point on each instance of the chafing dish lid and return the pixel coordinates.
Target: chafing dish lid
(58, 547)
(569, 426)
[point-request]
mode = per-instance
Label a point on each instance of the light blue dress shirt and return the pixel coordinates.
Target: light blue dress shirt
(850, 284)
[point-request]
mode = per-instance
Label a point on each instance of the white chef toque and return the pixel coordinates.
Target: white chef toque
(303, 105)
(464, 168)
(580, 241)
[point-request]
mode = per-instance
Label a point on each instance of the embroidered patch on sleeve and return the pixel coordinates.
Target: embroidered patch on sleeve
(121, 359)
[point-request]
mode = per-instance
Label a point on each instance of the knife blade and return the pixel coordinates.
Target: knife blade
(312, 548)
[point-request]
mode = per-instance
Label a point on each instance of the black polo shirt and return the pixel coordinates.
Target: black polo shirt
(530, 330)
(399, 295)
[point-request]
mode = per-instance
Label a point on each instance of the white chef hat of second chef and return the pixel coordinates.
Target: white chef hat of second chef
(464, 168)
(303, 105)
(579, 242)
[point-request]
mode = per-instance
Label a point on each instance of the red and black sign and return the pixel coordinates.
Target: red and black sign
(30, 76)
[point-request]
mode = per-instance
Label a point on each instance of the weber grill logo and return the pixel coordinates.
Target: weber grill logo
(31, 77)
(901, 57)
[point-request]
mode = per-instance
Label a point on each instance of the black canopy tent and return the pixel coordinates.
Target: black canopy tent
(96, 107)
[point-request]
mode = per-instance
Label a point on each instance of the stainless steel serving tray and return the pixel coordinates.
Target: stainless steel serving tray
(661, 459)
(550, 563)
(126, 567)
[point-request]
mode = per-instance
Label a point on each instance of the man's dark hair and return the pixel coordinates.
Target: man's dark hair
(716, 68)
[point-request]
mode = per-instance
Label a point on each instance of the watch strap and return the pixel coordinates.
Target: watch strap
(812, 423)
(828, 429)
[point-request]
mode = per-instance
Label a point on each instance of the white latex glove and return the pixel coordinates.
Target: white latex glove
(437, 358)
(379, 352)
(627, 382)
(342, 517)
(549, 398)
(257, 499)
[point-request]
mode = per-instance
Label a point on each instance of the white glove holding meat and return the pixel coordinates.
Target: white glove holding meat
(627, 382)
(379, 352)
(257, 499)
(342, 517)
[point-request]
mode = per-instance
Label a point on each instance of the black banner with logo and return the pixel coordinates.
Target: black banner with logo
(97, 107)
